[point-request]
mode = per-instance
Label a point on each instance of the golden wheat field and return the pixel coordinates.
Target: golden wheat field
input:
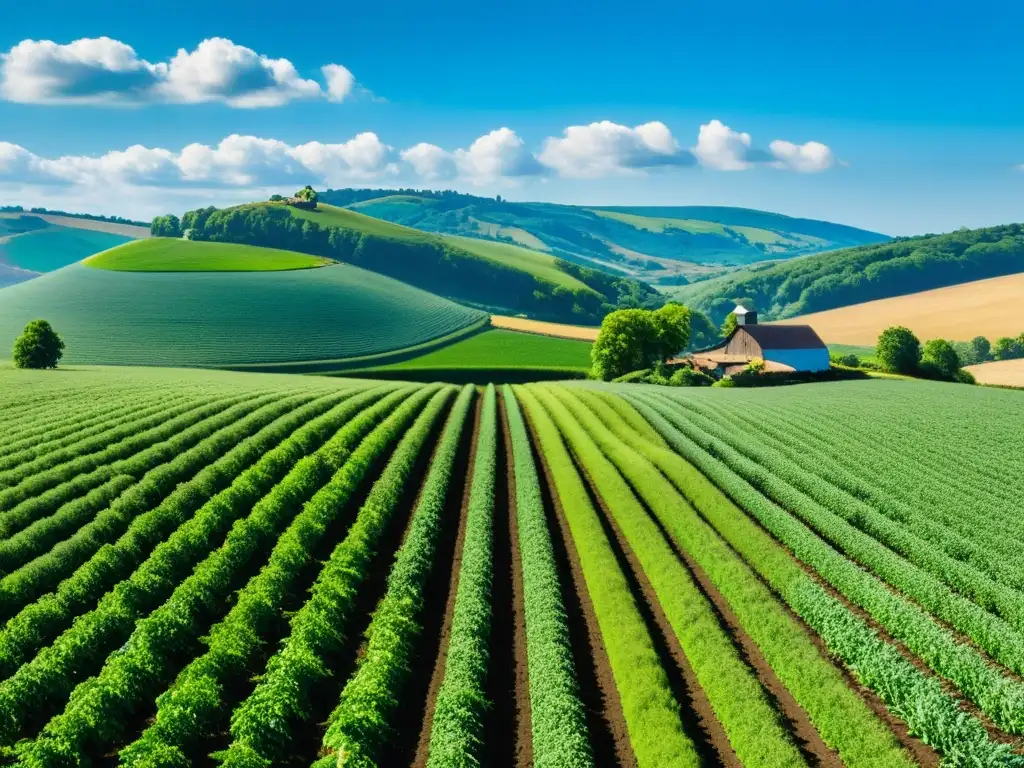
(959, 313)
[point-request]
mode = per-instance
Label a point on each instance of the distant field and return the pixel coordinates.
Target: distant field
(45, 250)
(559, 330)
(1006, 373)
(229, 318)
(499, 350)
(661, 223)
(161, 254)
(959, 312)
(111, 228)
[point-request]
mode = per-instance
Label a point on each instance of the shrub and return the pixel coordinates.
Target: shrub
(38, 347)
(940, 360)
(899, 351)
(690, 377)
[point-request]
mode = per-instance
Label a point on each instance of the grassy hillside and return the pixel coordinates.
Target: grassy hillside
(978, 308)
(540, 265)
(161, 254)
(229, 318)
(855, 275)
(668, 245)
(487, 275)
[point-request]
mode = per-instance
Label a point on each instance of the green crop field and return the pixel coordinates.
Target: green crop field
(496, 350)
(159, 254)
(230, 318)
(214, 568)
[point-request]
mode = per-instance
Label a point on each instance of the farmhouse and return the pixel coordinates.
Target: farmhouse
(781, 347)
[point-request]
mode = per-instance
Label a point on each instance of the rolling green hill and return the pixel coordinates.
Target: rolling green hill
(34, 242)
(161, 254)
(490, 275)
(666, 245)
(855, 275)
(298, 320)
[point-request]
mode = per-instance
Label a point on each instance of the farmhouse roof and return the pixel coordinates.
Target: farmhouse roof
(784, 336)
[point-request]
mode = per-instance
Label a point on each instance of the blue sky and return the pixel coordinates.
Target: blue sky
(902, 117)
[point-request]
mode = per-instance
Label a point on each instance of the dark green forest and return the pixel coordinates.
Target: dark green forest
(854, 275)
(433, 265)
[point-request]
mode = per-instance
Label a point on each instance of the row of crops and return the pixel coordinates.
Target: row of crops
(202, 568)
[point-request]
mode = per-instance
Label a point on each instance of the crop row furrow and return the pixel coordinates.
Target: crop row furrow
(158, 428)
(98, 708)
(997, 637)
(132, 434)
(968, 581)
(838, 714)
(959, 538)
(79, 432)
(558, 718)
(456, 734)
(929, 712)
(39, 622)
(361, 724)
(752, 725)
(649, 708)
(191, 449)
(263, 726)
(185, 453)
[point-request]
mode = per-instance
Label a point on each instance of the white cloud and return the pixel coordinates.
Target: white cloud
(608, 149)
(721, 148)
(239, 161)
(496, 155)
(340, 81)
(811, 157)
(106, 71)
(430, 162)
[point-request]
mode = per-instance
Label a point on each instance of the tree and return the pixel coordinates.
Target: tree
(898, 350)
(276, 198)
(627, 342)
(166, 226)
(672, 328)
(39, 346)
(307, 193)
(729, 325)
(981, 348)
(940, 359)
(1007, 348)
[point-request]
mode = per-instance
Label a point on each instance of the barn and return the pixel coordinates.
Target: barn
(781, 347)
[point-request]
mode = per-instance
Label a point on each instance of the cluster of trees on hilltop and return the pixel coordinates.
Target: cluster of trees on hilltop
(55, 212)
(854, 275)
(431, 264)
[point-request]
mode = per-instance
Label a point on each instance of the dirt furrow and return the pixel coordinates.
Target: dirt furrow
(606, 723)
(696, 714)
(420, 719)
